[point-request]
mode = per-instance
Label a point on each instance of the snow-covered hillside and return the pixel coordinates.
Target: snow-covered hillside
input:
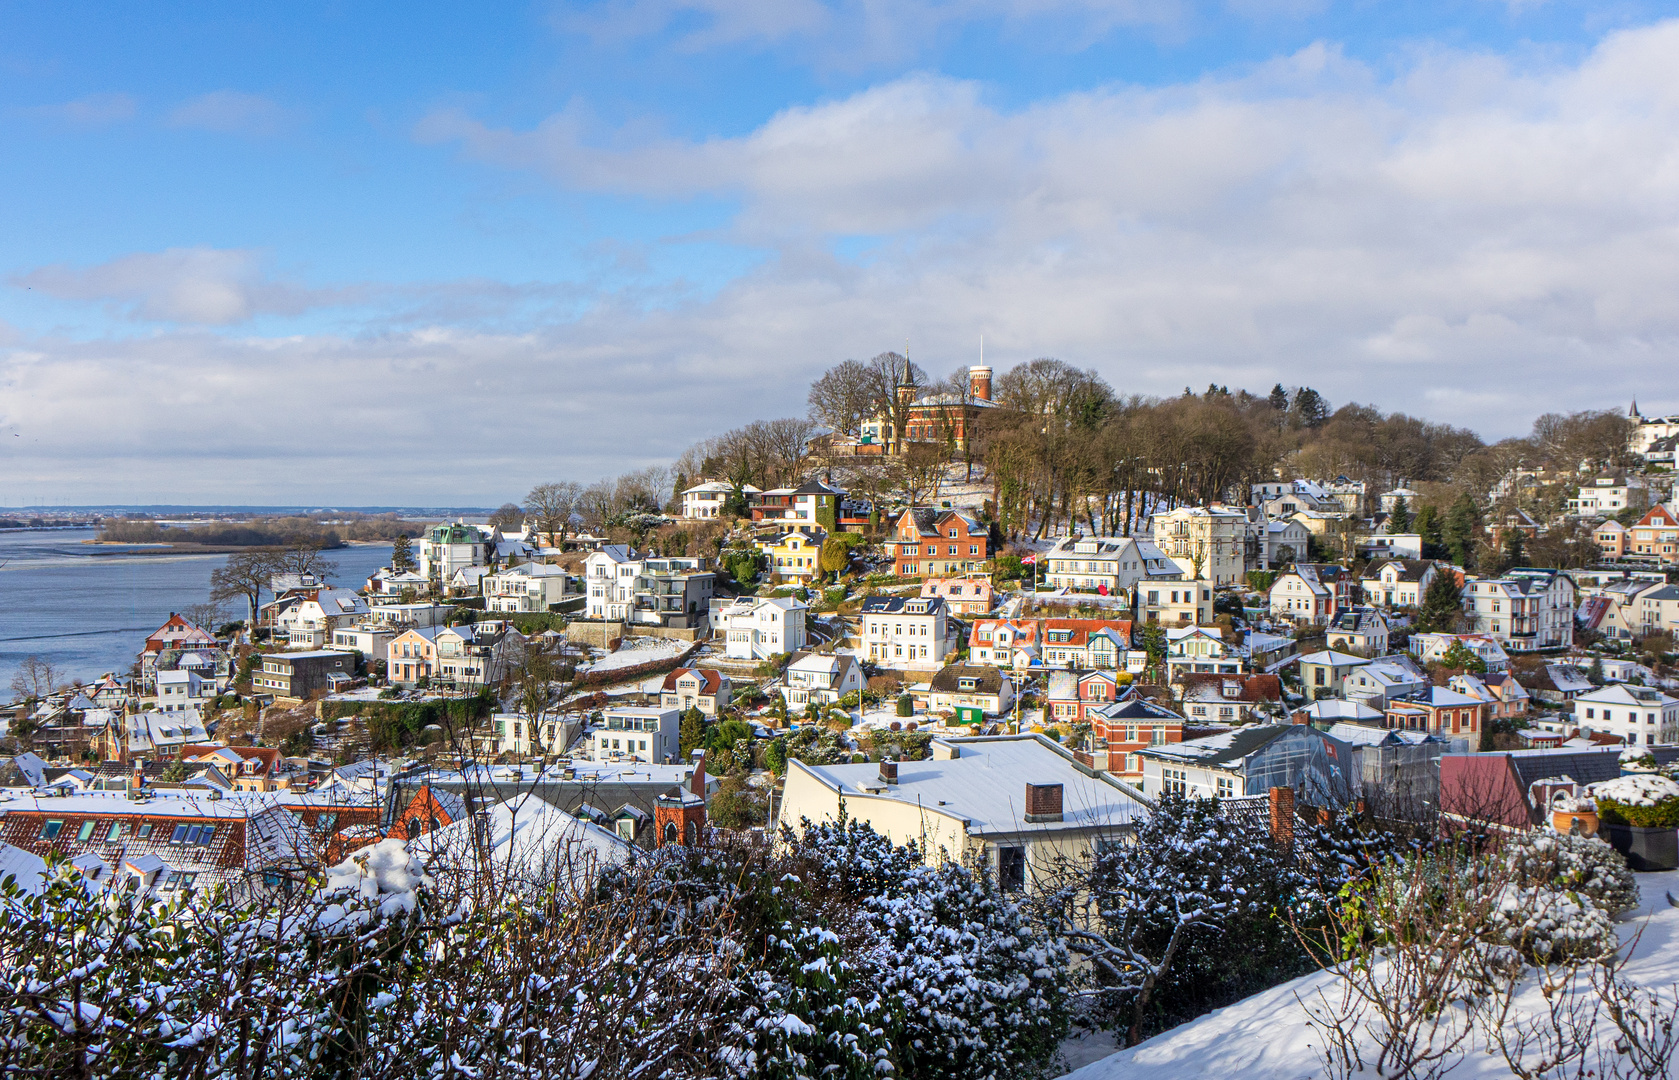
(1268, 1037)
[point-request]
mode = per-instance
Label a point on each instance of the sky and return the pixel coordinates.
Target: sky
(437, 253)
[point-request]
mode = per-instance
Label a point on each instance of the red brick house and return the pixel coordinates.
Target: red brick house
(429, 810)
(1071, 696)
(1121, 731)
(925, 542)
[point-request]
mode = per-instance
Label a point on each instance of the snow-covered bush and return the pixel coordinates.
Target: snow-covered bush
(1547, 925)
(1645, 800)
(1578, 864)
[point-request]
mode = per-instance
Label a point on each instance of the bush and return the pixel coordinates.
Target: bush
(1551, 926)
(1641, 800)
(906, 705)
(1581, 864)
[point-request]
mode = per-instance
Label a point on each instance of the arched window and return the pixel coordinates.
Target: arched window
(413, 828)
(693, 836)
(670, 832)
(434, 823)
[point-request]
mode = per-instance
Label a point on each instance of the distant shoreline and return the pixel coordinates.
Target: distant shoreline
(117, 547)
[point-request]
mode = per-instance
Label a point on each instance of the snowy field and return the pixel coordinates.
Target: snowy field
(1267, 1036)
(638, 651)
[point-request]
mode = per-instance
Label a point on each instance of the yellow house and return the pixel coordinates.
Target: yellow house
(1013, 804)
(793, 556)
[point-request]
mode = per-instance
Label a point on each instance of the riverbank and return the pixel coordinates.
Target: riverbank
(119, 547)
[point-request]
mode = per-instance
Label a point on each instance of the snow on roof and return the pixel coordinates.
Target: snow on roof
(25, 868)
(1332, 658)
(527, 841)
(986, 785)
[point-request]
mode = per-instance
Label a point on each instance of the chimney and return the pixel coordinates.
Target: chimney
(1043, 803)
(696, 783)
(979, 383)
(139, 781)
(888, 771)
(1282, 816)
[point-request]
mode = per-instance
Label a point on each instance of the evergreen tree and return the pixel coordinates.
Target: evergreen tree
(1515, 548)
(1427, 523)
(1310, 410)
(691, 735)
(1279, 398)
(402, 554)
(1463, 525)
(1400, 520)
(1442, 605)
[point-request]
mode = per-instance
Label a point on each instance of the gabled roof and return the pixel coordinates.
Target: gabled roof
(948, 679)
(1407, 570)
(903, 605)
(1133, 706)
(1227, 747)
(1250, 689)
(710, 680)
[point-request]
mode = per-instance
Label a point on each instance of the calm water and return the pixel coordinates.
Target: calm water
(90, 614)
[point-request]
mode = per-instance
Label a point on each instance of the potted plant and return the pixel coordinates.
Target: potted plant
(1568, 810)
(1639, 817)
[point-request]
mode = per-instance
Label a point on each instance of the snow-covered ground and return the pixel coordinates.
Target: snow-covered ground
(638, 651)
(1267, 1036)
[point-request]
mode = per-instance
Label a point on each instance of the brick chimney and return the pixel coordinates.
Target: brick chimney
(696, 783)
(138, 781)
(1282, 816)
(888, 771)
(979, 383)
(1043, 803)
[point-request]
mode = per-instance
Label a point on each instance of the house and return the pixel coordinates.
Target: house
(970, 691)
(1503, 696)
(427, 810)
(1398, 771)
(1311, 593)
(1107, 565)
(1325, 713)
(794, 556)
(820, 679)
(445, 549)
(1085, 643)
(166, 844)
(1612, 538)
(477, 654)
(1282, 543)
(1514, 789)
(705, 501)
(1012, 805)
(1229, 699)
(1376, 547)
(388, 581)
(1526, 609)
(1202, 649)
(313, 614)
(179, 635)
(400, 616)
(1389, 500)
(413, 656)
(1205, 541)
(1606, 495)
(906, 632)
(1323, 672)
(757, 628)
(1557, 684)
(969, 595)
(527, 587)
(1392, 583)
(294, 676)
(1251, 760)
(705, 689)
(1006, 643)
(249, 768)
(1658, 612)
(1437, 710)
(935, 417)
(924, 542)
(373, 644)
(624, 585)
(1120, 732)
(526, 737)
(1070, 695)
(1285, 498)
(810, 508)
(180, 690)
(1616, 611)
(1384, 679)
(1641, 716)
(1175, 603)
(1432, 649)
(1361, 631)
(639, 734)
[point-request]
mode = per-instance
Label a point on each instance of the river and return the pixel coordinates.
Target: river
(90, 614)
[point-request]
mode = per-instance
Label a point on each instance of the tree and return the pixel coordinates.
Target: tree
(1462, 658)
(243, 577)
(534, 678)
(1427, 525)
(1278, 399)
(552, 505)
(507, 517)
(1399, 521)
(1463, 526)
(402, 554)
(835, 556)
(844, 397)
(303, 557)
(1515, 548)
(919, 471)
(1441, 610)
(1154, 641)
(691, 733)
(36, 678)
(775, 755)
(209, 615)
(1309, 410)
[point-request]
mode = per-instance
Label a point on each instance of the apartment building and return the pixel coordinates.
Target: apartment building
(1205, 541)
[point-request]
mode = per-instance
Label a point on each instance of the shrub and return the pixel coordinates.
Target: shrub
(1581, 864)
(906, 706)
(1551, 926)
(1641, 800)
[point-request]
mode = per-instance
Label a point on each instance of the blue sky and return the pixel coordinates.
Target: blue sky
(268, 255)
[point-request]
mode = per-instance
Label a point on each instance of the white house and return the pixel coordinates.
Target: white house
(645, 734)
(704, 502)
(530, 586)
(309, 621)
(634, 587)
(1526, 609)
(1640, 715)
(1397, 582)
(1205, 541)
(1311, 593)
(1381, 681)
(1283, 543)
(373, 643)
(1112, 565)
(1203, 649)
(183, 690)
(756, 628)
(906, 632)
(823, 679)
(1359, 631)
(1433, 647)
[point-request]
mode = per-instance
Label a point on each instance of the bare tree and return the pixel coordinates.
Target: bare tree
(304, 556)
(36, 678)
(243, 577)
(787, 443)
(844, 397)
(552, 505)
(507, 517)
(209, 615)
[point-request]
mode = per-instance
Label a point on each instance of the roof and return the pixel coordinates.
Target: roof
(526, 839)
(1411, 570)
(1364, 735)
(710, 680)
(1134, 707)
(1225, 748)
(27, 869)
(1333, 659)
(1583, 766)
(1338, 710)
(903, 605)
(985, 784)
(948, 679)
(1202, 686)
(1623, 694)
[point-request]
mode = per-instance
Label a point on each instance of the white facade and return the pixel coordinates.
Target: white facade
(756, 628)
(1523, 610)
(1205, 541)
(309, 622)
(179, 691)
(644, 734)
(1605, 496)
(528, 587)
(1641, 716)
(373, 644)
(902, 632)
(1116, 563)
(821, 679)
(625, 585)
(704, 502)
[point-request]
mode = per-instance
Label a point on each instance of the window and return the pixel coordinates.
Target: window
(1226, 787)
(145, 831)
(85, 833)
(116, 832)
(51, 827)
(1011, 868)
(180, 834)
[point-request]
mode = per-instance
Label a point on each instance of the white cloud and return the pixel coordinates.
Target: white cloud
(231, 112)
(201, 285)
(92, 110)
